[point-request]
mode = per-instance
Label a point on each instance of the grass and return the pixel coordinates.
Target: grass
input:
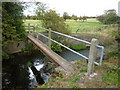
(110, 78)
(33, 22)
(84, 69)
(78, 47)
(107, 77)
(73, 80)
(89, 25)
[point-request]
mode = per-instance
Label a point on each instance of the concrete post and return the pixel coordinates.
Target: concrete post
(92, 56)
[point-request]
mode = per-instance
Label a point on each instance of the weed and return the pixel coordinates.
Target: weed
(111, 76)
(56, 47)
(110, 79)
(73, 80)
(84, 69)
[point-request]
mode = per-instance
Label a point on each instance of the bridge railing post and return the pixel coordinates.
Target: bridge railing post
(29, 27)
(92, 56)
(49, 35)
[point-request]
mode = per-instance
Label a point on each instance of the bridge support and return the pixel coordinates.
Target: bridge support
(92, 56)
(67, 66)
(49, 35)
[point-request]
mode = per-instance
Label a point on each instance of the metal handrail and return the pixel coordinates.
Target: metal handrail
(68, 36)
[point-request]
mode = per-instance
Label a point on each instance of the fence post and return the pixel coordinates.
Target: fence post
(49, 35)
(92, 56)
(33, 29)
(29, 27)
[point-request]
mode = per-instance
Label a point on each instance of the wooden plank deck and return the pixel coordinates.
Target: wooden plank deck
(54, 57)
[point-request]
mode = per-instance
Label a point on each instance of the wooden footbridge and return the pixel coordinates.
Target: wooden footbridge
(54, 57)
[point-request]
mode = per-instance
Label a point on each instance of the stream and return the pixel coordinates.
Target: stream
(18, 72)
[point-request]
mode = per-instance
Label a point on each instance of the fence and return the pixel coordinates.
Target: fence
(93, 48)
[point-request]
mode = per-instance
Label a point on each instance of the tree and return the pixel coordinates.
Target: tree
(100, 18)
(110, 11)
(74, 17)
(66, 16)
(40, 10)
(80, 18)
(52, 20)
(28, 17)
(84, 18)
(12, 21)
(109, 17)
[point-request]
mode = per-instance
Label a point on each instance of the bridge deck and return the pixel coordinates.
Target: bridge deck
(54, 57)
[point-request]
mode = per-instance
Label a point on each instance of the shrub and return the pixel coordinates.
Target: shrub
(110, 17)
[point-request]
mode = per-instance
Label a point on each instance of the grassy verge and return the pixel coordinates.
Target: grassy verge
(110, 77)
(107, 77)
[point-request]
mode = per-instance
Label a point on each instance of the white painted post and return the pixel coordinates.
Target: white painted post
(92, 56)
(29, 27)
(49, 35)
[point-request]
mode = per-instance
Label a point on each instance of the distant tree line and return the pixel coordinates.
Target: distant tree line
(109, 17)
(65, 17)
(74, 17)
(34, 17)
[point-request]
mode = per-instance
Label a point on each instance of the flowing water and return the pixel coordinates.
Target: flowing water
(19, 72)
(70, 56)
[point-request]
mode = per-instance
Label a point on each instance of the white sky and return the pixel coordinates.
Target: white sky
(78, 7)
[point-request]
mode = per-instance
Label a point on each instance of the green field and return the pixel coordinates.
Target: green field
(90, 25)
(33, 22)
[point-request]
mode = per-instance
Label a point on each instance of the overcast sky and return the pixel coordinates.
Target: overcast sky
(78, 7)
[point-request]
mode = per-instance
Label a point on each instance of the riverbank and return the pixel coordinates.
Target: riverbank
(106, 76)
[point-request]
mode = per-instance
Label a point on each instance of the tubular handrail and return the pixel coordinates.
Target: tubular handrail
(68, 36)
